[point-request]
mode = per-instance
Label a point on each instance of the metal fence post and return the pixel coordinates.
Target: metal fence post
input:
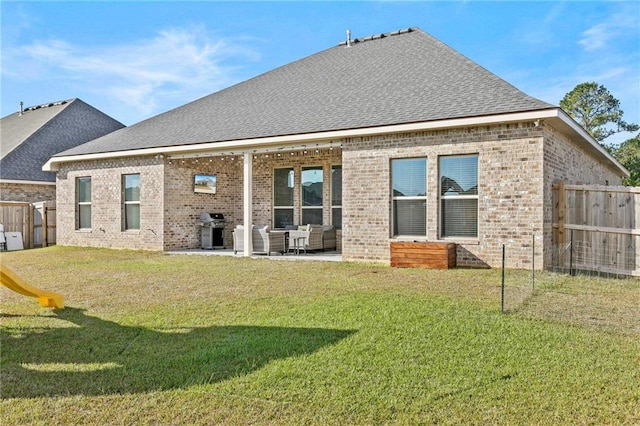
(502, 291)
(571, 254)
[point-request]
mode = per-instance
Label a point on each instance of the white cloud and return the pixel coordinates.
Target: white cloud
(172, 68)
(600, 35)
(595, 37)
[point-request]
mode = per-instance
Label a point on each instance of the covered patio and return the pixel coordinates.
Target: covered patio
(329, 256)
(276, 187)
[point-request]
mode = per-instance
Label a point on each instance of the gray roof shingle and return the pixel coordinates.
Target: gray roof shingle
(392, 79)
(28, 140)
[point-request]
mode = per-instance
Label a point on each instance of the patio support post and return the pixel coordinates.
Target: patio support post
(248, 203)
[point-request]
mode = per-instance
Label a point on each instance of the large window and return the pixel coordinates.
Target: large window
(311, 195)
(131, 204)
(459, 196)
(83, 195)
(282, 197)
(409, 196)
(336, 196)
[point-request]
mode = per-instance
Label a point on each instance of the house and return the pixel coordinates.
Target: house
(390, 137)
(33, 134)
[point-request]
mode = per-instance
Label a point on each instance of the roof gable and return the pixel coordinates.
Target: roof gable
(403, 77)
(30, 138)
(19, 126)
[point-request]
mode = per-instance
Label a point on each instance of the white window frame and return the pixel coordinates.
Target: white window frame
(302, 206)
(409, 197)
(84, 203)
(273, 194)
(458, 197)
(126, 203)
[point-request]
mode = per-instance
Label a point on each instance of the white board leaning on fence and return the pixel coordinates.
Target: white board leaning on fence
(14, 241)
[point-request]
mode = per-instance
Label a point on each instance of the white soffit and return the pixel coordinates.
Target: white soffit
(559, 117)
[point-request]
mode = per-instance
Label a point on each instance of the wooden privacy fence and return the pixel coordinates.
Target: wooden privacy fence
(597, 228)
(44, 223)
(36, 221)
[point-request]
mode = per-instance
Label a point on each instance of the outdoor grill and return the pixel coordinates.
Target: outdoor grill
(212, 232)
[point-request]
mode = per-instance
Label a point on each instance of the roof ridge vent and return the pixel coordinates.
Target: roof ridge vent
(35, 107)
(349, 42)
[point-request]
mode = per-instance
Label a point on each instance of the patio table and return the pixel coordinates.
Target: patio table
(299, 241)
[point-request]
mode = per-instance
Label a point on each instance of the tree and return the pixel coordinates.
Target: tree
(596, 110)
(628, 153)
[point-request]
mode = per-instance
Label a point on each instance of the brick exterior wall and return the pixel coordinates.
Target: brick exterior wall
(170, 209)
(509, 190)
(564, 161)
(517, 164)
(183, 207)
(106, 204)
(263, 181)
(29, 193)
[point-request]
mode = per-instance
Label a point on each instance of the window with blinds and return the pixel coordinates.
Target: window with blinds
(459, 196)
(131, 201)
(409, 196)
(282, 197)
(83, 195)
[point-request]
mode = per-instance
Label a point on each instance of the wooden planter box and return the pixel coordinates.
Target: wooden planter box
(423, 255)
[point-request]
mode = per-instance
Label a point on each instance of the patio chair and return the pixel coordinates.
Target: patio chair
(312, 235)
(238, 239)
(328, 237)
(267, 242)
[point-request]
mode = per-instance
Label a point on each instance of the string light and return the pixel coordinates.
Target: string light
(279, 152)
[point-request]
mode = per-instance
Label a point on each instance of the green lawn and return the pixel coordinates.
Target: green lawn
(148, 338)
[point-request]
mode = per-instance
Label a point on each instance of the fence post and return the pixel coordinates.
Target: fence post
(502, 287)
(571, 254)
(561, 220)
(635, 239)
(45, 224)
(30, 225)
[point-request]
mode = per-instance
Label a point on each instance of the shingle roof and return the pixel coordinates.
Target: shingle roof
(17, 128)
(395, 78)
(28, 140)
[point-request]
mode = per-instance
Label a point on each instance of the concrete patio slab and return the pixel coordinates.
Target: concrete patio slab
(329, 256)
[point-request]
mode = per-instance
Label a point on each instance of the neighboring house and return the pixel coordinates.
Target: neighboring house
(390, 137)
(32, 135)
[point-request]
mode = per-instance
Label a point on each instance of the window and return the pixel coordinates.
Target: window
(459, 196)
(409, 196)
(336, 196)
(282, 197)
(83, 195)
(311, 195)
(131, 195)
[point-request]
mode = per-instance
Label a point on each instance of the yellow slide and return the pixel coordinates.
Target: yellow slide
(13, 282)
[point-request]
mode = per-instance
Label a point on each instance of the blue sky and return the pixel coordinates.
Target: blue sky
(133, 60)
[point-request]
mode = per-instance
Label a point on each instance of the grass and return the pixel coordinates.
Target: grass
(148, 338)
